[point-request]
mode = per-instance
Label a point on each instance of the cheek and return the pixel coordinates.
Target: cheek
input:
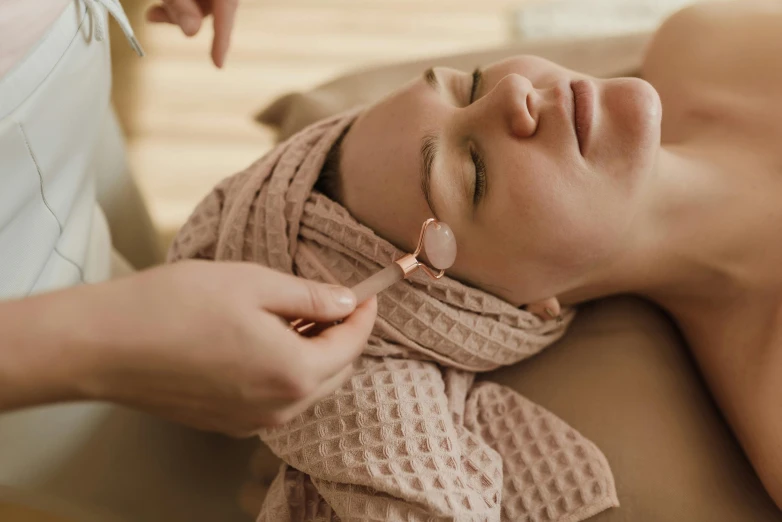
(569, 219)
(545, 207)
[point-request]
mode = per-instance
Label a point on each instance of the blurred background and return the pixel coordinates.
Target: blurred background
(189, 125)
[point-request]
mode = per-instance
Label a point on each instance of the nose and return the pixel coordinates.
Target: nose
(517, 103)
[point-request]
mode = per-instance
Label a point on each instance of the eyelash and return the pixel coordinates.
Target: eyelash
(480, 176)
(480, 167)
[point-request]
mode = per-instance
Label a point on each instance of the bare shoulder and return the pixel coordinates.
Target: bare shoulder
(707, 23)
(712, 39)
(717, 64)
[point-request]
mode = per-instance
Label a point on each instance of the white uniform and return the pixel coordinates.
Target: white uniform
(58, 133)
(56, 127)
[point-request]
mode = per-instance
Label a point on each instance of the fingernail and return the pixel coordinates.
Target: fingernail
(343, 297)
(550, 313)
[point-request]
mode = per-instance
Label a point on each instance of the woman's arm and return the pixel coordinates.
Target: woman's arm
(48, 346)
(200, 343)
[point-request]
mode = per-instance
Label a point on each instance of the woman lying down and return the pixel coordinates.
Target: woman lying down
(560, 188)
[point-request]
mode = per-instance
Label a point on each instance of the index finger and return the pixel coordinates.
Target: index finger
(224, 13)
(338, 346)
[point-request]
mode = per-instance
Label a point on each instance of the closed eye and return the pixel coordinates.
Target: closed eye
(480, 176)
(477, 76)
(479, 165)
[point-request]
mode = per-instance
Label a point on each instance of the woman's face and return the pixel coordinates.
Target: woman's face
(538, 170)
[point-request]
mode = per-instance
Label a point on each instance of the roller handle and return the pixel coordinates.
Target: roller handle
(364, 290)
(378, 282)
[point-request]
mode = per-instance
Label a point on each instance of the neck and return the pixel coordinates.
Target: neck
(677, 254)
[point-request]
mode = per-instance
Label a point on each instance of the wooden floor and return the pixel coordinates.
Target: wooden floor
(189, 125)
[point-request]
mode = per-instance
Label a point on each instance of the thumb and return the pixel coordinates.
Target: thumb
(291, 296)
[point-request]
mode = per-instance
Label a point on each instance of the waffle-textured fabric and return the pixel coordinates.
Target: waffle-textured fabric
(409, 437)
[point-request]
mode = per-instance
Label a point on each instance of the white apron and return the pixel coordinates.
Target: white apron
(55, 118)
(57, 130)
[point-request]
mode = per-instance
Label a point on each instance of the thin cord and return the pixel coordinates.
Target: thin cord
(115, 9)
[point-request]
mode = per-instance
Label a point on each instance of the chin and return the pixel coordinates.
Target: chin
(636, 106)
(635, 112)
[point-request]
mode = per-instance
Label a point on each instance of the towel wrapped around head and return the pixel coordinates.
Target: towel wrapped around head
(409, 437)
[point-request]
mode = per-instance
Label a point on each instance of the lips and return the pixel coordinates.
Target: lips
(584, 110)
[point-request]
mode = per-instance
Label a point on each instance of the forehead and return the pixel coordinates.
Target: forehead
(380, 165)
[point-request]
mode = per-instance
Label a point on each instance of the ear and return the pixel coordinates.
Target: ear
(547, 309)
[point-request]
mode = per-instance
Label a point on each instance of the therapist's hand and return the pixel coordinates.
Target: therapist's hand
(202, 343)
(189, 16)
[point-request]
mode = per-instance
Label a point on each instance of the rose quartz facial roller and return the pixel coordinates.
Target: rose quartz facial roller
(436, 240)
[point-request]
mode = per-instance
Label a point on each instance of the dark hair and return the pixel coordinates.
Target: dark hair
(330, 179)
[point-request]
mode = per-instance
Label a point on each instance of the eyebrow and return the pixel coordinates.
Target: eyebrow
(431, 78)
(429, 145)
